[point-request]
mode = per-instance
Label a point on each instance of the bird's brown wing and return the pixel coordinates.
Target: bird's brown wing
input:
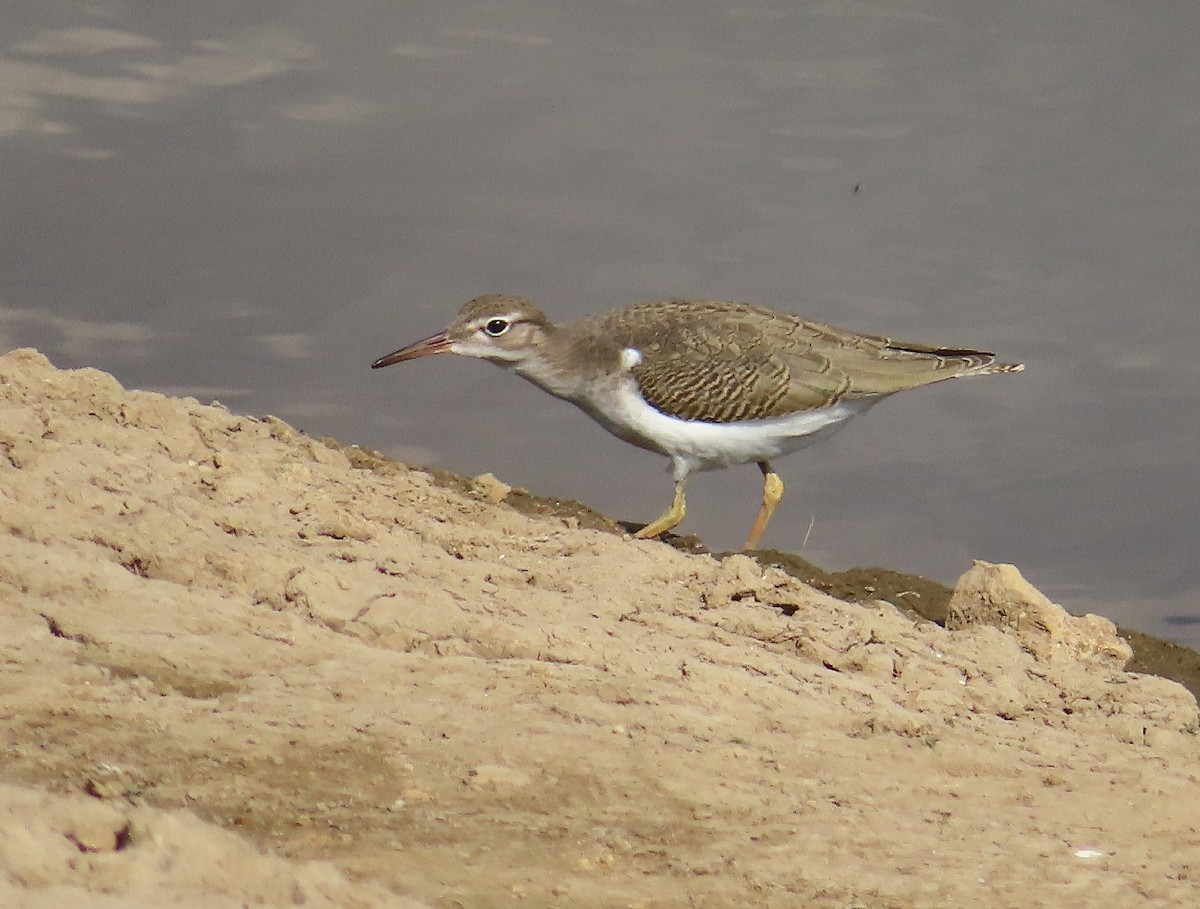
(723, 362)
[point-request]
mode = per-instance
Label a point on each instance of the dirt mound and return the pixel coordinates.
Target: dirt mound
(402, 691)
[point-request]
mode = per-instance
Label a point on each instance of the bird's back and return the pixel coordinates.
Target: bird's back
(724, 362)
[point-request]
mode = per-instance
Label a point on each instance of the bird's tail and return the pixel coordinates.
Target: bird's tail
(958, 361)
(997, 367)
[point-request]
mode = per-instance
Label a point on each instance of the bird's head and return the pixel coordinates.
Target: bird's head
(502, 328)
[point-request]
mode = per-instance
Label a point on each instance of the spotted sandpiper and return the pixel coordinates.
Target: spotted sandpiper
(706, 383)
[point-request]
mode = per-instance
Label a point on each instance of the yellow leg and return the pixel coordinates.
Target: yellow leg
(772, 493)
(669, 519)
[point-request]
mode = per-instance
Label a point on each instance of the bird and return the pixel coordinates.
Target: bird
(707, 383)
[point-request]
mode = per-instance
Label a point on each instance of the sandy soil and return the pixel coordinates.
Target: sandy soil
(240, 671)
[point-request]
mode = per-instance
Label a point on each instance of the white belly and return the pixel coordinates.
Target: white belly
(695, 445)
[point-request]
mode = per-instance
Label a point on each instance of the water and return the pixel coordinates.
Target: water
(251, 201)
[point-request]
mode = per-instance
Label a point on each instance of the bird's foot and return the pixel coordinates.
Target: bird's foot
(668, 520)
(772, 494)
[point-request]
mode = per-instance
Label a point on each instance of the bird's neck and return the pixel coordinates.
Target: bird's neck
(566, 361)
(550, 376)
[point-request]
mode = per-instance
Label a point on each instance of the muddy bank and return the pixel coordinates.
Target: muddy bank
(229, 647)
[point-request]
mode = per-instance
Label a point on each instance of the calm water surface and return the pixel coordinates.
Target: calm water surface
(251, 201)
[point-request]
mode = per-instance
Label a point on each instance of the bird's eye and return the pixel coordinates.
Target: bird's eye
(496, 327)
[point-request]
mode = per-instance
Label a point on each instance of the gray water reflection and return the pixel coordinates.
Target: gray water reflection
(251, 201)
